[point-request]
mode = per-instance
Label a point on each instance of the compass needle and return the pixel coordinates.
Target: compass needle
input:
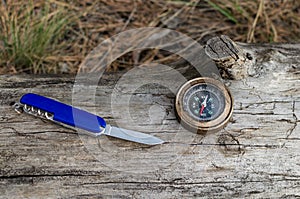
(201, 110)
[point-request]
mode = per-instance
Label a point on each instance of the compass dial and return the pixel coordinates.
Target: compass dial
(204, 104)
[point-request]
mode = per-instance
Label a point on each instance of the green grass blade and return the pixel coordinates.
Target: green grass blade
(223, 11)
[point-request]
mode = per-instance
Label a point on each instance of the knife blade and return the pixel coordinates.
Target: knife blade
(65, 114)
(130, 135)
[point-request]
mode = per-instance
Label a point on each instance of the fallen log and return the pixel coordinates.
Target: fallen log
(256, 155)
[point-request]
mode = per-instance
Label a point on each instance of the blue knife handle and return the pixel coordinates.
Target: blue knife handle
(65, 113)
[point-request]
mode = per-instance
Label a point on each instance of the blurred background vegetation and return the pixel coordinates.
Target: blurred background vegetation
(54, 36)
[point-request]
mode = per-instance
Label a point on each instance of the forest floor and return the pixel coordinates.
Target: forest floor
(54, 36)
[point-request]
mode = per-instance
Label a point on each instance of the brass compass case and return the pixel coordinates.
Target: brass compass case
(204, 104)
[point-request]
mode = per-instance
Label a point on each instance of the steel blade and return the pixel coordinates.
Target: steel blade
(132, 136)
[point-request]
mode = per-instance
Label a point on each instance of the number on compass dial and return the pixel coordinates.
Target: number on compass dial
(204, 102)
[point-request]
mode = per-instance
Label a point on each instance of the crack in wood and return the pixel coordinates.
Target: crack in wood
(173, 182)
(230, 143)
(294, 122)
(230, 47)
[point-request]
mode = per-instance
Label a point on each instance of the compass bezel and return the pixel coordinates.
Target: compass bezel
(199, 126)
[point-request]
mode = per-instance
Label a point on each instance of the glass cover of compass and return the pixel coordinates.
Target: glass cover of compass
(204, 104)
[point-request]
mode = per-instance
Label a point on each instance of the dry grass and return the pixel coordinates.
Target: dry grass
(264, 20)
(31, 36)
(74, 28)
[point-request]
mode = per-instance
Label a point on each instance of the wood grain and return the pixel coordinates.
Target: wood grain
(256, 156)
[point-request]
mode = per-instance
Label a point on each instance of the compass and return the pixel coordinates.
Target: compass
(204, 104)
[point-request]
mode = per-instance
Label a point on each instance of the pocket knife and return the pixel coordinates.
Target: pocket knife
(70, 116)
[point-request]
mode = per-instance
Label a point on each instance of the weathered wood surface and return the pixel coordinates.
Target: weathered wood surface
(256, 155)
